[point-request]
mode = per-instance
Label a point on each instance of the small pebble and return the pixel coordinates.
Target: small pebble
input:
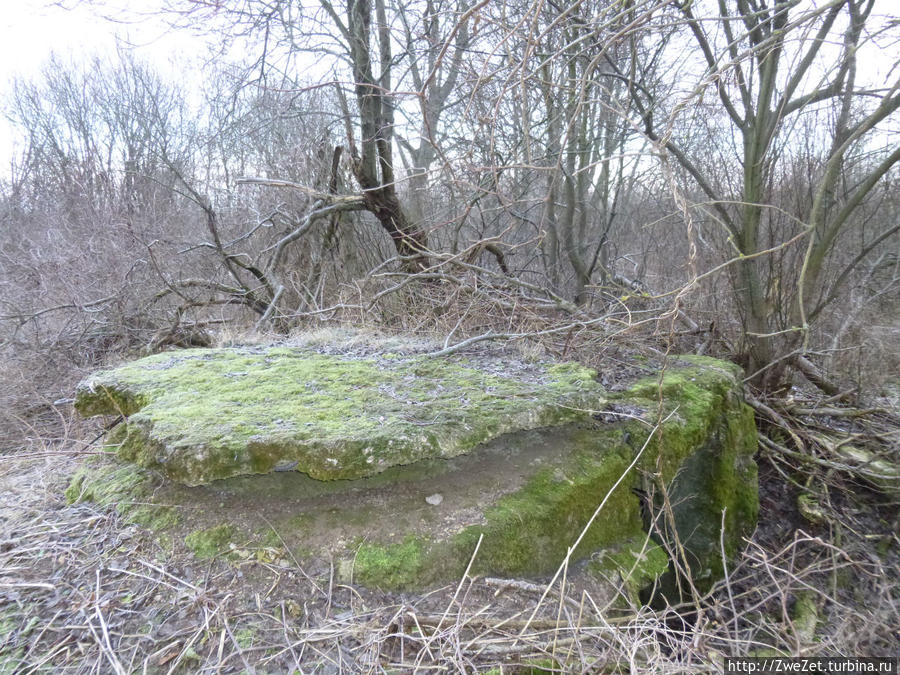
(435, 499)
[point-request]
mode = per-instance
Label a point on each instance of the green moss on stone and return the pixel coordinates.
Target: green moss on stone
(126, 488)
(201, 415)
(805, 617)
(530, 531)
(397, 566)
(527, 532)
(210, 542)
(702, 455)
(638, 562)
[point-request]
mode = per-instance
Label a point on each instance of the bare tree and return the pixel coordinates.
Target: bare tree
(591, 143)
(91, 189)
(362, 33)
(538, 119)
(762, 62)
(437, 40)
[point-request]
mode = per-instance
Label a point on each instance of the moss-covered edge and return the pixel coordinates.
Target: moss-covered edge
(710, 442)
(129, 490)
(126, 488)
(637, 563)
(529, 532)
(329, 416)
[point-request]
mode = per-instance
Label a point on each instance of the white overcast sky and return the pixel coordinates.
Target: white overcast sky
(30, 30)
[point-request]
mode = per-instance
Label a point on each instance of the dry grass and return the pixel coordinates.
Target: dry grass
(82, 592)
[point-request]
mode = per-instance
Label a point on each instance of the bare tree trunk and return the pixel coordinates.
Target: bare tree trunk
(373, 164)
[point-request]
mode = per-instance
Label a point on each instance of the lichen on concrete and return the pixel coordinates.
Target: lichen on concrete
(201, 415)
(522, 497)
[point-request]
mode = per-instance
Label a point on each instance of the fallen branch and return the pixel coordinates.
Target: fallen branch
(812, 373)
(495, 623)
(491, 335)
(640, 288)
(835, 412)
(853, 460)
(776, 419)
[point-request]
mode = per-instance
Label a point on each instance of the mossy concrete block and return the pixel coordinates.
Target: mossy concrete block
(699, 467)
(522, 497)
(206, 414)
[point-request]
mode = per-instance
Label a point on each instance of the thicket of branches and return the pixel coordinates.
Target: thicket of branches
(722, 170)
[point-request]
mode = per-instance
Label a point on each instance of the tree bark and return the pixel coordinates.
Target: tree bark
(374, 166)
